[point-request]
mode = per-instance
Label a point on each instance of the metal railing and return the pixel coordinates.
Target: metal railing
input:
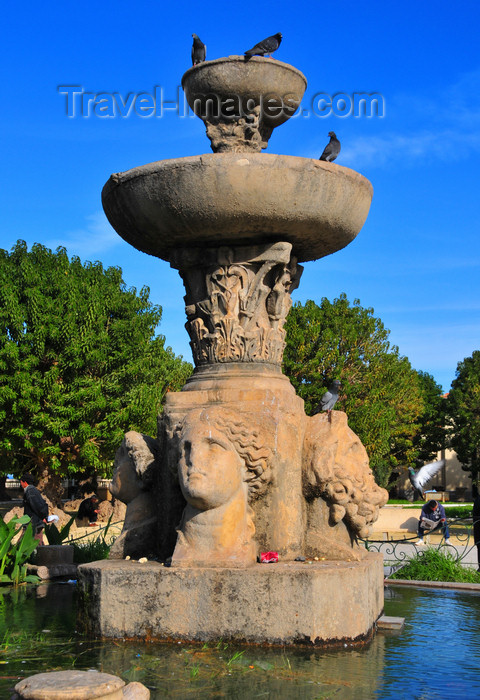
(397, 552)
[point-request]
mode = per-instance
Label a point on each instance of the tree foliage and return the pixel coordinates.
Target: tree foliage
(380, 391)
(80, 362)
(432, 434)
(464, 411)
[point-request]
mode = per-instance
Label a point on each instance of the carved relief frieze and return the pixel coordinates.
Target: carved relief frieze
(237, 301)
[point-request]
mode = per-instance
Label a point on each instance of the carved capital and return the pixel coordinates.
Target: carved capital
(246, 133)
(237, 300)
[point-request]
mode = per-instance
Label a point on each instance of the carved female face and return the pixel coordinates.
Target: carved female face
(209, 468)
(126, 484)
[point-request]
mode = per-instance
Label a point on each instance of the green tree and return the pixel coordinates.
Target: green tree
(80, 362)
(432, 434)
(380, 390)
(464, 411)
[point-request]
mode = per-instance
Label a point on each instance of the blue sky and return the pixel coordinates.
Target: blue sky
(417, 259)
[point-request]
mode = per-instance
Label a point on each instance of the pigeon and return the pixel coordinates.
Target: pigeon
(329, 399)
(267, 46)
(199, 50)
(424, 474)
(332, 149)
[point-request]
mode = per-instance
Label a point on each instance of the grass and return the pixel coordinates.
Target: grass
(403, 502)
(93, 550)
(436, 565)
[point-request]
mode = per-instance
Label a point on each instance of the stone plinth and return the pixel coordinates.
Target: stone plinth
(286, 603)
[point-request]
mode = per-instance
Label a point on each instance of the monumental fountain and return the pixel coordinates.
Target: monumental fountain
(237, 468)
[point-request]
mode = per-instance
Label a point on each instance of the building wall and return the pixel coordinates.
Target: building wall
(450, 478)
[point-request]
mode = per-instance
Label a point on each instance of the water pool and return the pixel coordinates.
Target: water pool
(435, 657)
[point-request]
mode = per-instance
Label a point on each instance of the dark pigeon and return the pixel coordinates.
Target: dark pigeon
(329, 399)
(332, 149)
(199, 50)
(424, 474)
(267, 46)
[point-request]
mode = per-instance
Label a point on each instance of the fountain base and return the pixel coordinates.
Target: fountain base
(288, 603)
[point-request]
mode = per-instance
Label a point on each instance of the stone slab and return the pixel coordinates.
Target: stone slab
(385, 622)
(305, 603)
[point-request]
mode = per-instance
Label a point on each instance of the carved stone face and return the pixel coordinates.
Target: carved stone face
(126, 484)
(209, 468)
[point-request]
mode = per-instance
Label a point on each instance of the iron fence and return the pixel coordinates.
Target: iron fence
(397, 552)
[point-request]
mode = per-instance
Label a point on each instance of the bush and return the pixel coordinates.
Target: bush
(436, 565)
(459, 512)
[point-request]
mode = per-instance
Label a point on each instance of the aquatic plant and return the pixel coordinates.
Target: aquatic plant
(14, 556)
(56, 536)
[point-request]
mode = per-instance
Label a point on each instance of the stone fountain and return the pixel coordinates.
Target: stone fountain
(237, 467)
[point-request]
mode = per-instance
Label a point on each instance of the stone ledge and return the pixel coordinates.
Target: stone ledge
(285, 603)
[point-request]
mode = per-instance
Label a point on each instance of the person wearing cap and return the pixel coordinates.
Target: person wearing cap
(432, 517)
(34, 505)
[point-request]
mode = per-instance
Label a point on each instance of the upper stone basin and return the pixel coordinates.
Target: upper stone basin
(223, 199)
(232, 87)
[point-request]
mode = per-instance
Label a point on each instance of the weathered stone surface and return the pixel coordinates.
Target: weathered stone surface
(71, 685)
(277, 415)
(225, 199)
(52, 554)
(136, 691)
(237, 301)
(241, 101)
(336, 468)
(284, 603)
(225, 461)
(135, 470)
(241, 85)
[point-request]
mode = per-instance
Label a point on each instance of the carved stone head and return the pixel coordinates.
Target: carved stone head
(220, 455)
(134, 466)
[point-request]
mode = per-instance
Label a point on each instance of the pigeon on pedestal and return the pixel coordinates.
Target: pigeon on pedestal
(267, 46)
(329, 399)
(424, 474)
(199, 50)
(332, 149)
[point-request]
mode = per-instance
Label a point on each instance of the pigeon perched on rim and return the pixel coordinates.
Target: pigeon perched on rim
(267, 46)
(329, 399)
(424, 474)
(199, 50)
(332, 149)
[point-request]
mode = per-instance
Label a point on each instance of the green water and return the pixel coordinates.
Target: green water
(437, 656)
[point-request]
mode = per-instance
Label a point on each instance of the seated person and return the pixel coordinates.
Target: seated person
(432, 518)
(88, 509)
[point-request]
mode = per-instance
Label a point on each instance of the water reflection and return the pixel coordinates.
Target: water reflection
(436, 656)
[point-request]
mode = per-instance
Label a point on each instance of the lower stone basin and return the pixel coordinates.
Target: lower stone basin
(238, 199)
